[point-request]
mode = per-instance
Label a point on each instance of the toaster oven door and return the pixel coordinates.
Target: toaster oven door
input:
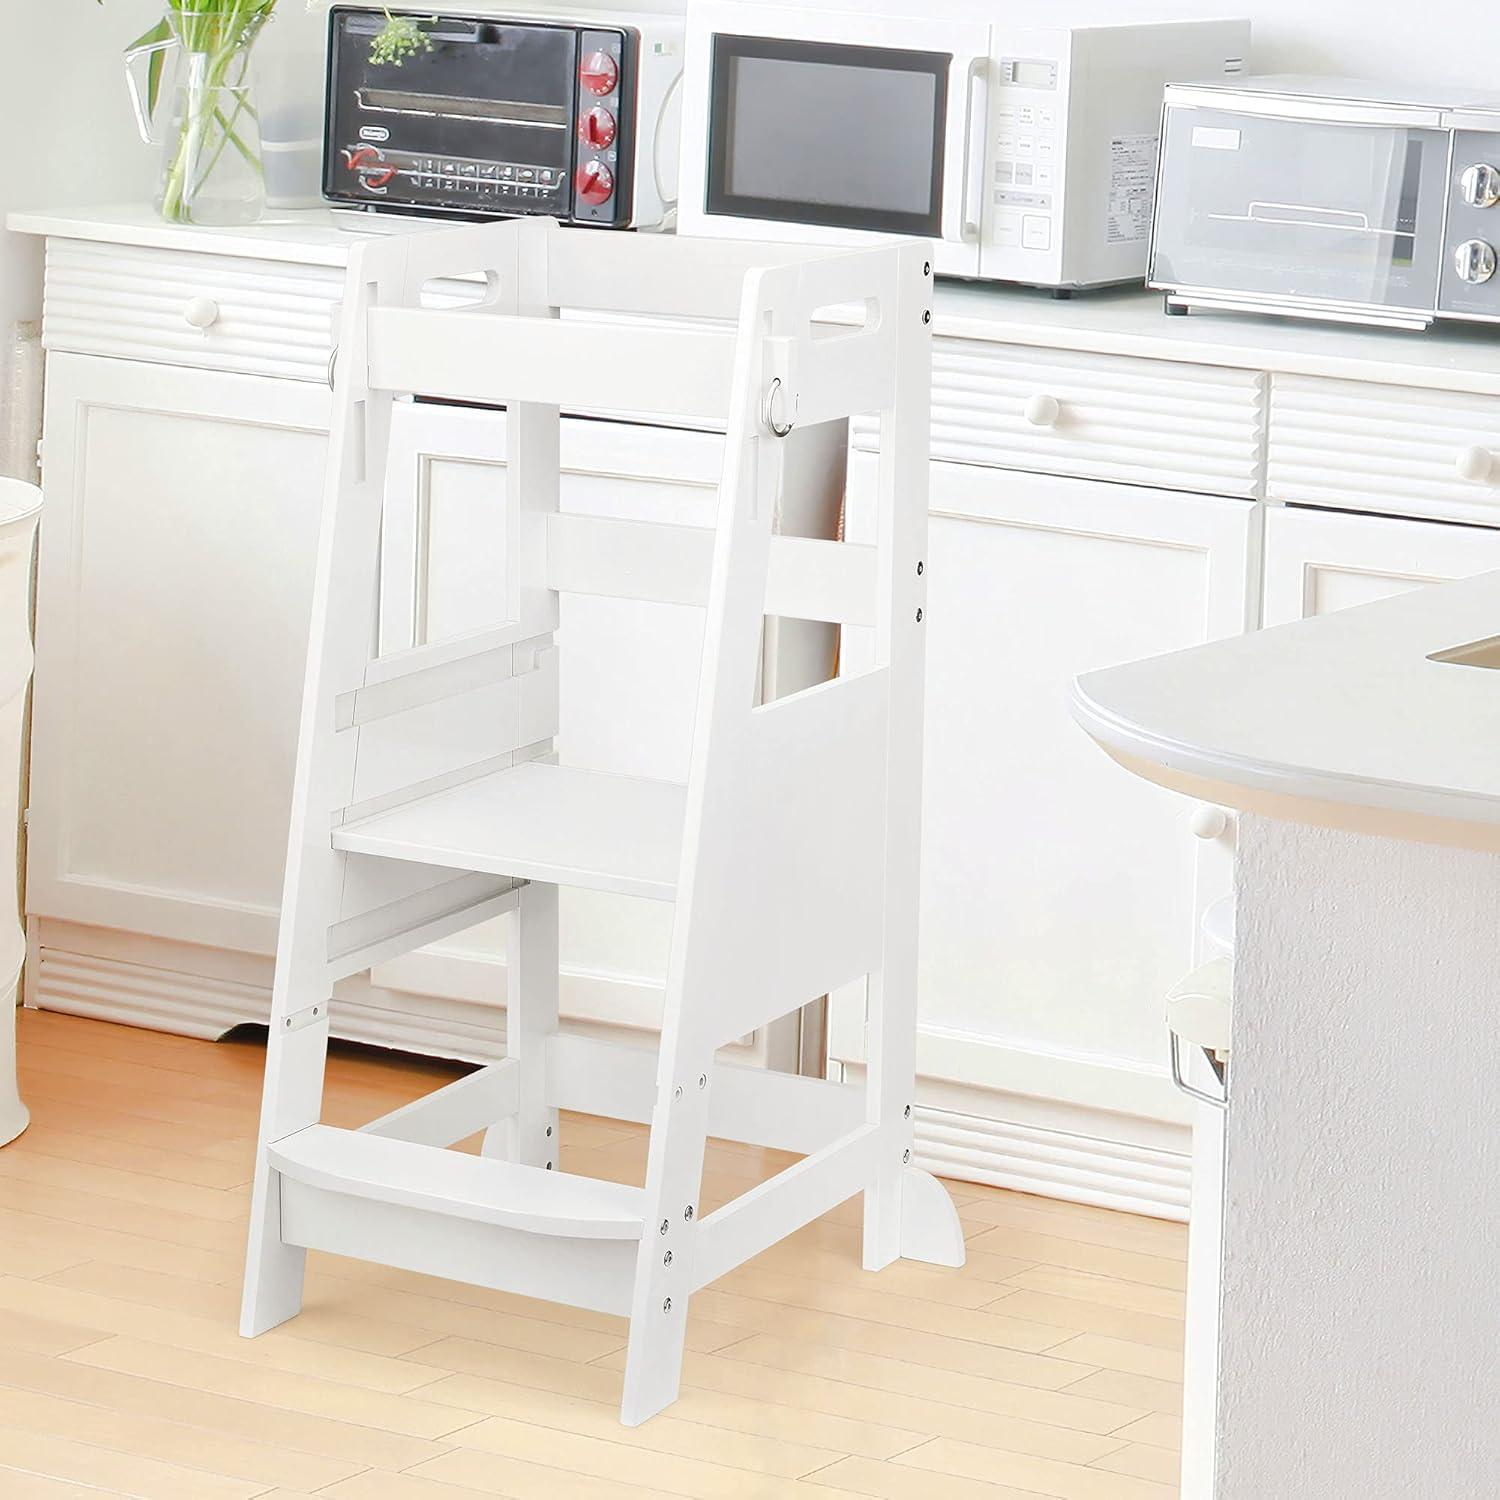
(1337, 213)
(471, 117)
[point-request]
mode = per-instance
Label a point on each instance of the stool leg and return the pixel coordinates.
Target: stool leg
(296, 1053)
(664, 1268)
(532, 983)
(891, 1078)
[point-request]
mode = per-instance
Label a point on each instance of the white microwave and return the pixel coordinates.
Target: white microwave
(1026, 153)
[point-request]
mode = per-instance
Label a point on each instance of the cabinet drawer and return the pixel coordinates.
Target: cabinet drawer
(129, 302)
(1095, 416)
(1385, 448)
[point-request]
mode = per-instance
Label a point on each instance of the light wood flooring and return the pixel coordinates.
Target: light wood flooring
(1049, 1366)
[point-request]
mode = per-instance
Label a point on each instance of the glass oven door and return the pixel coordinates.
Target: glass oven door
(1344, 213)
(838, 130)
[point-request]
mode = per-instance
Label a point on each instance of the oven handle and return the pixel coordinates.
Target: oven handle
(972, 212)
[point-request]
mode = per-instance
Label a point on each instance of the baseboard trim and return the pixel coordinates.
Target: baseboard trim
(1054, 1164)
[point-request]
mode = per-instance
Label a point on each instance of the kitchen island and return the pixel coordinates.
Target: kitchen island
(1353, 1323)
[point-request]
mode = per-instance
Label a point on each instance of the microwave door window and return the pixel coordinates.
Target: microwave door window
(820, 133)
(1341, 213)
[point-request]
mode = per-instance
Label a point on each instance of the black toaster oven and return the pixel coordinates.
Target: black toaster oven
(483, 116)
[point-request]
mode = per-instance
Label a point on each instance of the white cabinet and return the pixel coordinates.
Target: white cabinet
(1321, 561)
(175, 582)
(1060, 895)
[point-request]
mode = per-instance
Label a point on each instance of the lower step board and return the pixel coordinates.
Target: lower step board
(457, 1185)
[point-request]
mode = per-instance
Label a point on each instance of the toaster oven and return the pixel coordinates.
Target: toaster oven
(1329, 199)
(494, 114)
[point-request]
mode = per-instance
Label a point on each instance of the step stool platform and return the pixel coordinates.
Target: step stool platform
(540, 822)
(480, 1188)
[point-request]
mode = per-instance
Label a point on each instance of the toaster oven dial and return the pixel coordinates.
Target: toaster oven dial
(1480, 185)
(1475, 261)
(599, 73)
(595, 182)
(597, 128)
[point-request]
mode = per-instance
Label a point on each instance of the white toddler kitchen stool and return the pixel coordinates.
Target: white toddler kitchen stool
(429, 798)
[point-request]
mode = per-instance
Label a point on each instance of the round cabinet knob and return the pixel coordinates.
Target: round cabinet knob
(1043, 411)
(1209, 822)
(1480, 185)
(597, 128)
(595, 182)
(1477, 465)
(201, 312)
(599, 73)
(1475, 261)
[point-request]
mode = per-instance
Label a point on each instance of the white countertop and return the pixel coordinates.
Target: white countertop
(1341, 721)
(1127, 322)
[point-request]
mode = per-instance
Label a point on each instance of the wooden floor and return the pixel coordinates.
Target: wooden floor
(1049, 1366)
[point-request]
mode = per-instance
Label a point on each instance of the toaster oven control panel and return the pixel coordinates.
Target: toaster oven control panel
(1470, 281)
(487, 118)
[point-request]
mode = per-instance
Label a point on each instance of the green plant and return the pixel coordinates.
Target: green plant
(400, 38)
(216, 106)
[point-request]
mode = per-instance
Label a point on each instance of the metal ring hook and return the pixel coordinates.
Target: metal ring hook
(768, 411)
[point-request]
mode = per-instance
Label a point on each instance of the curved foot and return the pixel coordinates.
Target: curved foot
(930, 1230)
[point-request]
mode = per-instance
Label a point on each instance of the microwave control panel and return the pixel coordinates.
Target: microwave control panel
(1469, 285)
(1028, 116)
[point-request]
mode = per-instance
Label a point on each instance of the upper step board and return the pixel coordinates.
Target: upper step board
(458, 1185)
(539, 822)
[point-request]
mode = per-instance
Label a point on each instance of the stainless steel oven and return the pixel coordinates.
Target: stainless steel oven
(1326, 199)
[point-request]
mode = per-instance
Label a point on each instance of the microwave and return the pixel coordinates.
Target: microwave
(1024, 152)
(491, 113)
(1329, 199)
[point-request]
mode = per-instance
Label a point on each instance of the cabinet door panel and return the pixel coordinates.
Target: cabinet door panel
(174, 589)
(1318, 562)
(1060, 895)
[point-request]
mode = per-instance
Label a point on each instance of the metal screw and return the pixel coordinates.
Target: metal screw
(919, 617)
(549, 1132)
(665, 1226)
(315, 1010)
(687, 1213)
(927, 268)
(549, 1166)
(666, 1260)
(921, 568)
(927, 315)
(677, 1092)
(703, 1080)
(667, 1305)
(908, 1111)
(906, 1155)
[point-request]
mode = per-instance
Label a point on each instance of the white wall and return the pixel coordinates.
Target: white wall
(65, 120)
(1349, 38)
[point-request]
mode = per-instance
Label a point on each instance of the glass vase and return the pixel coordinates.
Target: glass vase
(205, 117)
